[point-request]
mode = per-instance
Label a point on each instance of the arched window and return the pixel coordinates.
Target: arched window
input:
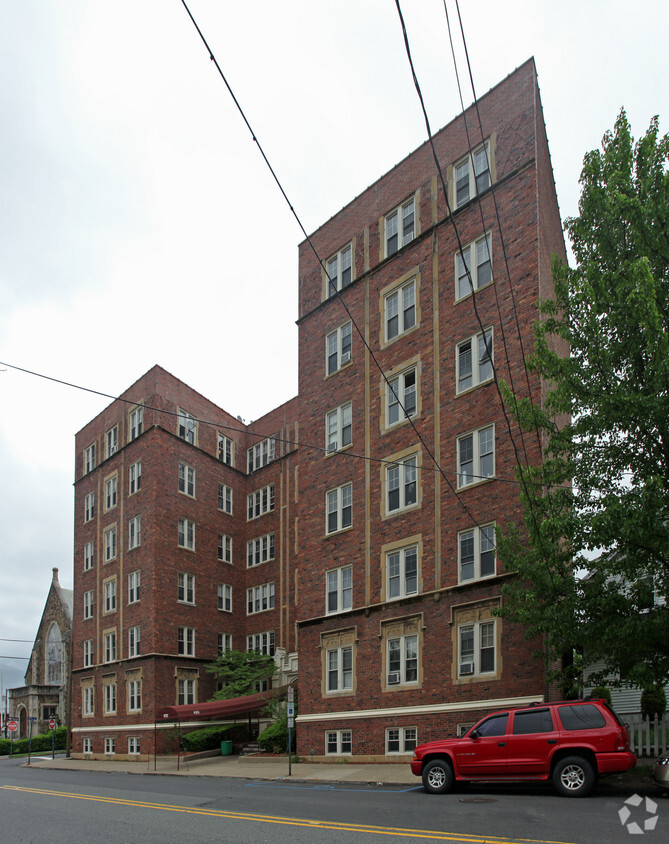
(54, 656)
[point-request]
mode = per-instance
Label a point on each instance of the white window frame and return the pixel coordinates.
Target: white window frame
(260, 550)
(135, 422)
(478, 458)
(110, 543)
(87, 745)
(399, 671)
(185, 691)
(110, 746)
(261, 643)
(186, 534)
(110, 595)
(402, 579)
(224, 548)
(134, 640)
(338, 348)
(134, 586)
(483, 638)
(89, 555)
(259, 502)
(111, 441)
(478, 353)
(88, 604)
(186, 484)
(339, 669)
(478, 261)
(109, 646)
(111, 492)
(399, 227)
(338, 509)
(89, 507)
(88, 653)
(224, 643)
(135, 697)
(89, 700)
(481, 541)
(338, 590)
(186, 641)
(134, 532)
(400, 310)
(406, 739)
(225, 449)
(135, 477)
(134, 743)
(89, 458)
(339, 427)
(110, 698)
(185, 588)
(187, 427)
(260, 598)
(340, 740)
(402, 488)
(339, 271)
(225, 597)
(473, 173)
(401, 396)
(225, 498)
(260, 454)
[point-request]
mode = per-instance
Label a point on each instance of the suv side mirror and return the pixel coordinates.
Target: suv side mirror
(474, 734)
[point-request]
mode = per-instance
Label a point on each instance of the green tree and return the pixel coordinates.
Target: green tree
(604, 485)
(239, 671)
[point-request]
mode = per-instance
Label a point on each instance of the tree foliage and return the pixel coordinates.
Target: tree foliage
(604, 485)
(239, 671)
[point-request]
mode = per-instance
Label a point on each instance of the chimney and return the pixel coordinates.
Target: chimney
(55, 576)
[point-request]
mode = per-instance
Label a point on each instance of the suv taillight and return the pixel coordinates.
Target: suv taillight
(622, 739)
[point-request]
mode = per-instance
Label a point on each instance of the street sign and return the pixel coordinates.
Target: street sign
(52, 723)
(12, 726)
(291, 694)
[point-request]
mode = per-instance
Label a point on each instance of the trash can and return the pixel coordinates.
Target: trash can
(226, 748)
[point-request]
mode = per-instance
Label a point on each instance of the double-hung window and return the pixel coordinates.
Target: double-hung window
(89, 459)
(225, 597)
(476, 456)
(338, 347)
(401, 396)
(111, 441)
(225, 498)
(338, 427)
(134, 585)
(186, 588)
(187, 480)
(260, 454)
(339, 270)
(186, 534)
(402, 484)
(224, 449)
(400, 309)
(133, 641)
(136, 420)
(400, 226)
(260, 598)
(340, 669)
(110, 595)
(134, 532)
(89, 555)
(402, 572)
(110, 698)
(339, 742)
(134, 700)
(185, 692)
(110, 646)
(187, 427)
(476, 648)
(224, 552)
(339, 508)
(402, 660)
(473, 267)
(261, 643)
(88, 653)
(476, 552)
(339, 590)
(259, 550)
(135, 477)
(224, 643)
(89, 506)
(472, 174)
(133, 742)
(474, 361)
(401, 739)
(89, 700)
(186, 641)
(111, 492)
(88, 604)
(259, 502)
(110, 543)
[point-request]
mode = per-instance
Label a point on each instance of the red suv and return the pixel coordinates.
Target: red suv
(570, 743)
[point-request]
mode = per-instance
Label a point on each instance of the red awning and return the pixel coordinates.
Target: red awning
(217, 708)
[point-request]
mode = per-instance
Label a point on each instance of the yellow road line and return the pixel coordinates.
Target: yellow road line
(275, 819)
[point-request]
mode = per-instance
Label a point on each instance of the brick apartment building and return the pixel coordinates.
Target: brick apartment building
(388, 587)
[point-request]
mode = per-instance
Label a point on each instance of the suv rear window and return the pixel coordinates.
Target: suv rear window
(585, 716)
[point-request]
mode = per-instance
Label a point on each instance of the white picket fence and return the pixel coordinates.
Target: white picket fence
(648, 737)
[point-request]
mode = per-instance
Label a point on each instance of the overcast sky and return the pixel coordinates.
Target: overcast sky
(139, 224)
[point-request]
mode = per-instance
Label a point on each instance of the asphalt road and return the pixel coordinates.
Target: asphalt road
(39, 805)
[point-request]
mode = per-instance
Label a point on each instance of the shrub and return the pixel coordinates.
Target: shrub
(653, 701)
(207, 738)
(274, 739)
(39, 743)
(601, 692)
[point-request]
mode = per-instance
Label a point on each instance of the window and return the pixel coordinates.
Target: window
(88, 604)
(338, 348)
(340, 669)
(87, 745)
(339, 508)
(136, 420)
(186, 588)
(581, 717)
(401, 739)
(186, 641)
(260, 598)
(89, 555)
(110, 647)
(401, 485)
(474, 361)
(339, 271)
(473, 267)
(476, 648)
(134, 532)
(260, 454)
(88, 653)
(476, 550)
(89, 700)
(185, 692)
(224, 548)
(472, 175)
(399, 227)
(135, 477)
(401, 396)
(187, 427)
(135, 698)
(133, 641)
(89, 506)
(338, 427)
(224, 643)
(339, 589)
(89, 459)
(225, 597)
(134, 583)
(260, 550)
(402, 656)
(532, 721)
(402, 572)
(225, 498)
(110, 595)
(112, 441)
(110, 698)
(339, 742)
(262, 643)
(259, 502)
(400, 310)
(54, 656)
(133, 744)
(110, 543)
(187, 480)
(186, 534)
(476, 456)
(224, 449)
(110, 746)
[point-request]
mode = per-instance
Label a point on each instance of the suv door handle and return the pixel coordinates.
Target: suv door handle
(552, 741)
(501, 744)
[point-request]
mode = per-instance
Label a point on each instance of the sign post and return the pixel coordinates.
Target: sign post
(52, 727)
(12, 726)
(31, 718)
(291, 724)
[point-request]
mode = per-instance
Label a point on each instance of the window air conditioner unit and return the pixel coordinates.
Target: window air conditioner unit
(332, 447)
(467, 668)
(393, 678)
(345, 357)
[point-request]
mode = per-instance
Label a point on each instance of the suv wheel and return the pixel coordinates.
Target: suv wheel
(573, 776)
(438, 776)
